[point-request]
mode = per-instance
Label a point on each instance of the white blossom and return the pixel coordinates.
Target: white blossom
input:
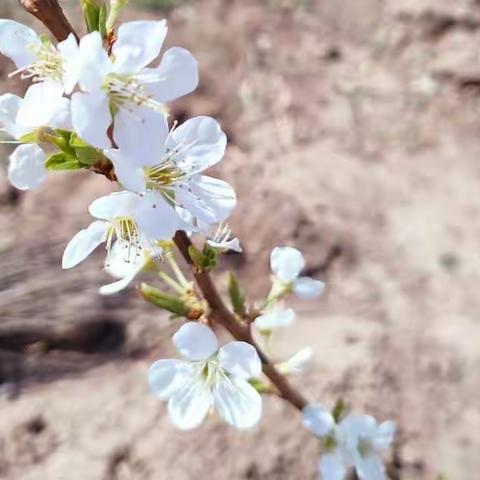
(43, 106)
(174, 168)
(286, 264)
(135, 221)
(298, 362)
(356, 441)
(209, 378)
(275, 318)
(123, 84)
(37, 58)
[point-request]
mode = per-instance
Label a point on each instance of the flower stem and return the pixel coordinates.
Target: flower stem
(221, 314)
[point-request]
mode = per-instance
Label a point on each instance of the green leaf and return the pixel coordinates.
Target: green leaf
(62, 161)
(88, 156)
(237, 297)
(196, 256)
(339, 410)
(165, 301)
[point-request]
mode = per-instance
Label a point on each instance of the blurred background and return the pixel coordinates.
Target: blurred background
(354, 131)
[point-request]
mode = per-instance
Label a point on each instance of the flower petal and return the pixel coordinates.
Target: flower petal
(177, 74)
(237, 402)
(318, 420)
(84, 243)
(190, 403)
(370, 467)
(331, 466)
(93, 62)
(299, 362)
(385, 434)
(26, 169)
(195, 341)
(130, 175)
(208, 199)
(155, 217)
(70, 53)
(286, 263)
(9, 107)
(91, 117)
(200, 142)
(275, 319)
(138, 43)
(166, 376)
(240, 359)
(116, 204)
(140, 133)
(44, 105)
(16, 42)
(308, 288)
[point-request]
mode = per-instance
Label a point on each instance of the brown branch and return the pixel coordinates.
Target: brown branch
(240, 331)
(50, 13)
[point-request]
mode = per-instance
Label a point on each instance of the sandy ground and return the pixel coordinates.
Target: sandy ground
(354, 135)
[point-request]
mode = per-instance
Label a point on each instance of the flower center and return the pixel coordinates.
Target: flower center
(127, 90)
(128, 234)
(364, 447)
(48, 65)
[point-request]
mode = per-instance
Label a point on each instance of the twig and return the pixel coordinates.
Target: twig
(222, 315)
(50, 13)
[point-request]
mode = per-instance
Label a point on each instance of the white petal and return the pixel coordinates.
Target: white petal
(155, 217)
(308, 288)
(237, 402)
(318, 420)
(208, 199)
(286, 263)
(116, 204)
(201, 144)
(189, 404)
(94, 64)
(370, 467)
(116, 287)
(298, 362)
(166, 376)
(129, 174)
(9, 106)
(140, 133)
(331, 466)
(384, 436)
(232, 245)
(195, 341)
(177, 73)
(91, 117)
(354, 426)
(16, 42)
(84, 243)
(240, 359)
(138, 43)
(44, 105)
(69, 51)
(275, 319)
(26, 169)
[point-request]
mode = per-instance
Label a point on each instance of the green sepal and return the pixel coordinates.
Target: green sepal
(165, 301)
(261, 386)
(339, 410)
(62, 161)
(204, 260)
(88, 156)
(236, 294)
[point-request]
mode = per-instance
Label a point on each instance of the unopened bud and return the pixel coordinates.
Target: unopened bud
(165, 301)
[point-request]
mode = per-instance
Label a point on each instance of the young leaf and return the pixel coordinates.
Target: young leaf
(62, 161)
(91, 13)
(237, 297)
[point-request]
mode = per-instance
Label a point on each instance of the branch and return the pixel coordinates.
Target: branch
(222, 315)
(50, 13)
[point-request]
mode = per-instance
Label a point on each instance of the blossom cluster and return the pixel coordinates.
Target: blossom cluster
(101, 103)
